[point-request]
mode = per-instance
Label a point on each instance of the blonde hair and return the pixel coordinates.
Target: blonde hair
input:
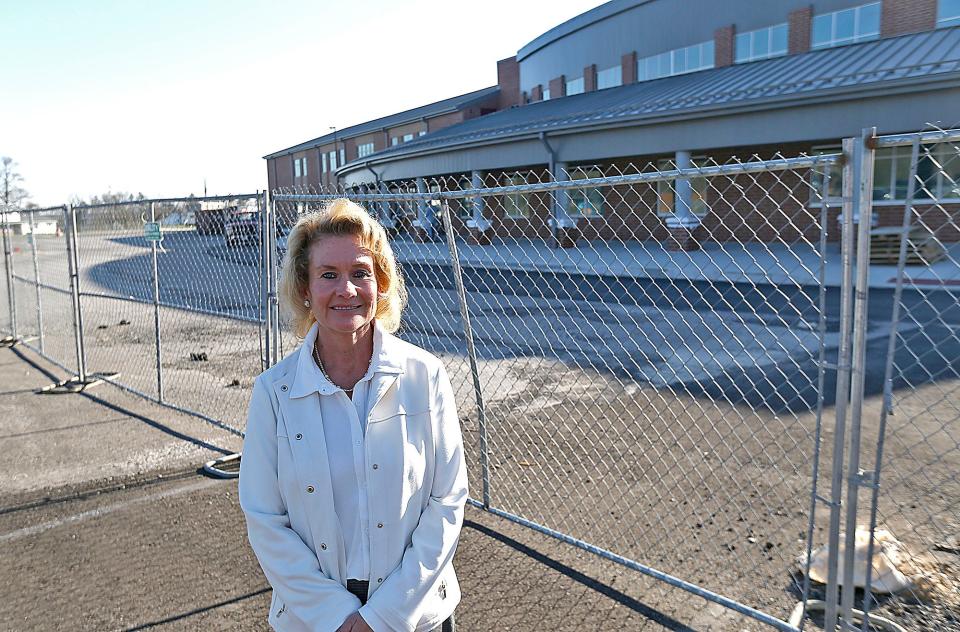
(340, 217)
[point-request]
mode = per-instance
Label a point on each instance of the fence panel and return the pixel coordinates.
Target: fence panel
(655, 404)
(178, 318)
(911, 496)
(6, 284)
(49, 297)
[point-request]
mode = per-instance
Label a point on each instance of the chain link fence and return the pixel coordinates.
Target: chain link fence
(668, 365)
(648, 401)
(905, 491)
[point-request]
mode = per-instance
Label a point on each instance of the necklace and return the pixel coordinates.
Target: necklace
(316, 358)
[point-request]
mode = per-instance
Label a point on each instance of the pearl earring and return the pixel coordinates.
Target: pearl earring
(306, 303)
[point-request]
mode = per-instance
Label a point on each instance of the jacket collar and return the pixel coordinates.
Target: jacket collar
(309, 379)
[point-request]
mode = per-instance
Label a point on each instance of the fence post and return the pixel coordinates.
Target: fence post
(73, 263)
(856, 478)
(265, 279)
(471, 352)
(273, 303)
(887, 407)
(156, 307)
(8, 269)
(852, 152)
(36, 280)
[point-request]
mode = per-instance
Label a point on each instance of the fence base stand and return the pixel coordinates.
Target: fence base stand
(232, 461)
(814, 605)
(8, 341)
(76, 385)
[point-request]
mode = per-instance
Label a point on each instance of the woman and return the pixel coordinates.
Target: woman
(353, 479)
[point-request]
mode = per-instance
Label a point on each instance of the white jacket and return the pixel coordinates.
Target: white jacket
(417, 487)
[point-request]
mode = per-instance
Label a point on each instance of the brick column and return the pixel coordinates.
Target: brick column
(628, 68)
(724, 46)
(899, 17)
(799, 28)
(536, 93)
(558, 87)
(590, 78)
(508, 79)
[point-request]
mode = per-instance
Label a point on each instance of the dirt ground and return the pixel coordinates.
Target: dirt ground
(712, 492)
(105, 523)
(99, 533)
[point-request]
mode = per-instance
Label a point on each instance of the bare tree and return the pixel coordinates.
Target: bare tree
(11, 193)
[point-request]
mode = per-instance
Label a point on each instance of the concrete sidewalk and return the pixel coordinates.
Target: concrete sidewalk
(757, 263)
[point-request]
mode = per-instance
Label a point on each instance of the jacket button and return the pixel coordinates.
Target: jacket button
(299, 436)
(379, 525)
(323, 547)
(284, 388)
(376, 467)
(309, 489)
(379, 580)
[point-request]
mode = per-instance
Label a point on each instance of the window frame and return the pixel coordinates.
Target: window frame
(670, 60)
(407, 137)
(857, 37)
(619, 74)
(577, 199)
(751, 35)
(365, 149)
(944, 21)
(545, 94)
(516, 206)
(578, 84)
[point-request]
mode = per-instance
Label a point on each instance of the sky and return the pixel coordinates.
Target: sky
(162, 96)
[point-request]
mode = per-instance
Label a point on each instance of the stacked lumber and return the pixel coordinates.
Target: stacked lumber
(922, 247)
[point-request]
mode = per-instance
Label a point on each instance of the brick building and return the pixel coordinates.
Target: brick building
(637, 82)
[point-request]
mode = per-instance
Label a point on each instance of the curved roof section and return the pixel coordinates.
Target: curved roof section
(909, 60)
(581, 21)
(433, 109)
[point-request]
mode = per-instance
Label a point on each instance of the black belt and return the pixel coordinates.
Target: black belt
(359, 588)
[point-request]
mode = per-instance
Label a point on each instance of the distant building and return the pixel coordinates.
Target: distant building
(667, 82)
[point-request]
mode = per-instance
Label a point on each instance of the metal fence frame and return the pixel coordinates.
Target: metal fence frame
(857, 160)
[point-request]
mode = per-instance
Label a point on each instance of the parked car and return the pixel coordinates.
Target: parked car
(241, 227)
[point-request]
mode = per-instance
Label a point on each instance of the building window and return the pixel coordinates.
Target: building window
(610, 78)
(407, 138)
(667, 194)
(296, 168)
(422, 133)
(394, 141)
(938, 173)
(343, 156)
(546, 94)
(948, 13)
(323, 162)
(364, 150)
(857, 24)
(332, 156)
(676, 62)
(575, 86)
(761, 44)
(835, 171)
(461, 207)
(586, 202)
(515, 205)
